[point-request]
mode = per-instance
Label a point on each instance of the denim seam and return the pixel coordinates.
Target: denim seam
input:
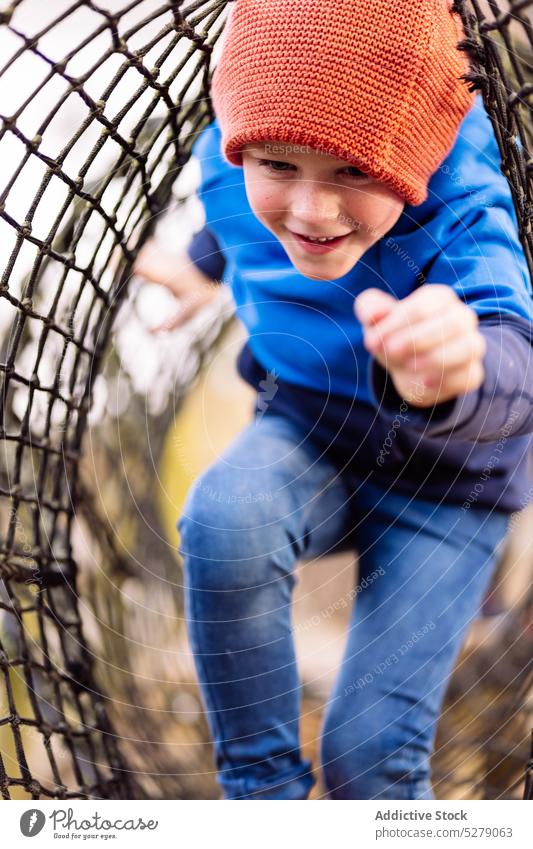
(332, 477)
(239, 785)
(207, 693)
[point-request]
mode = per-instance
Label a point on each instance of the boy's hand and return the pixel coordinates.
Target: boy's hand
(181, 276)
(429, 342)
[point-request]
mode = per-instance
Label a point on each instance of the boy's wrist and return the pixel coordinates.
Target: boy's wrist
(443, 413)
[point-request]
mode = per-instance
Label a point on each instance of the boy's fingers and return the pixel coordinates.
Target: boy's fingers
(188, 309)
(372, 305)
(454, 354)
(426, 335)
(167, 327)
(152, 274)
(422, 304)
(155, 265)
(460, 380)
(161, 327)
(419, 324)
(406, 317)
(170, 324)
(422, 392)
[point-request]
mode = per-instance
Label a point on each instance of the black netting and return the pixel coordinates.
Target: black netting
(75, 209)
(74, 214)
(499, 44)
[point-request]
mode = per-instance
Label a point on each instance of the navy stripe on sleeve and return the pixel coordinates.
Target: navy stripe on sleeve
(204, 251)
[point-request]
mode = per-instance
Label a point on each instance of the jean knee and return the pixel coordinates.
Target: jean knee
(362, 761)
(232, 533)
(226, 499)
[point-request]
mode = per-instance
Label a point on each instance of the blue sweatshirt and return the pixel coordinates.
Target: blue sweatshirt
(305, 352)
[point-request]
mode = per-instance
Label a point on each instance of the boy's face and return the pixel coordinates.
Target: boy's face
(297, 192)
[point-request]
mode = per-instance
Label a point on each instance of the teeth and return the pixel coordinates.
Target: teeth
(323, 239)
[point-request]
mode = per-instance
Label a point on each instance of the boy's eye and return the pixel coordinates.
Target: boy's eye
(354, 172)
(277, 167)
(272, 165)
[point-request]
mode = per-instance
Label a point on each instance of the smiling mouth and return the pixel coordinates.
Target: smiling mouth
(319, 244)
(319, 240)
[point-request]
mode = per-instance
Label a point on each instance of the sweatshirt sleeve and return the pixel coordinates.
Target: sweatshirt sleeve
(469, 231)
(233, 238)
(204, 251)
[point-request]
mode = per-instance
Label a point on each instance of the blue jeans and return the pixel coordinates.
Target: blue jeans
(424, 568)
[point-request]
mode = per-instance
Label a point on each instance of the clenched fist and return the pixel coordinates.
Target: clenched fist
(429, 342)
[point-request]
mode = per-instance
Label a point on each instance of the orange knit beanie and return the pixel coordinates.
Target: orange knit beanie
(375, 82)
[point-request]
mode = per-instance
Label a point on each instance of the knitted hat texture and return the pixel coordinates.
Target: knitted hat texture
(374, 82)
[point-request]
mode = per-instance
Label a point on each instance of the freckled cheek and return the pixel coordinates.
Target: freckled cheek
(364, 218)
(266, 204)
(376, 218)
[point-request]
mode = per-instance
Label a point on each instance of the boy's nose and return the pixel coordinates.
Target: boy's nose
(312, 207)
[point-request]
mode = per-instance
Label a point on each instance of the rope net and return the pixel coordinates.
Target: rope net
(499, 43)
(132, 80)
(138, 72)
